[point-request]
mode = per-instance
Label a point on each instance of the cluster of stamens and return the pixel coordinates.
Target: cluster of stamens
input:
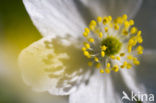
(112, 44)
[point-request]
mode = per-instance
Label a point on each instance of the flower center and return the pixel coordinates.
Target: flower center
(113, 45)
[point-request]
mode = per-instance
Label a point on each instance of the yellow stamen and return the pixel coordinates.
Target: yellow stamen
(136, 62)
(107, 70)
(102, 53)
(93, 22)
(133, 30)
(87, 45)
(129, 48)
(125, 32)
(100, 48)
(85, 34)
(86, 53)
(118, 58)
(112, 56)
(106, 29)
(119, 20)
(130, 57)
(108, 65)
(96, 59)
(103, 48)
(105, 20)
(91, 40)
(116, 27)
(99, 19)
(129, 66)
(83, 49)
(101, 71)
(122, 54)
(140, 49)
(126, 24)
(124, 17)
(98, 65)
(116, 68)
(139, 33)
(139, 39)
(90, 64)
(87, 30)
(131, 22)
(109, 18)
(100, 35)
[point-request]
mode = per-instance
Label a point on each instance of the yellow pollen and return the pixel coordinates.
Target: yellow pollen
(124, 17)
(125, 32)
(124, 64)
(133, 30)
(101, 71)
(105, 20)
(96, 59)
(106, 29)
(86, 53)
(90, 64)
(139, 39)
(118, 58)
(140, 49)
(109, 18)
(91, 27)
(83, 49)
(107, 70)
(131, 22)
(139, 33)
(103, 48)
(87, 45)
(87, 30)
(112, 57)
(131, 41)
(85, 34)
(98, 65)
(126, 24)
(108, 65)
(129, 66)
(93, 22)
(136, 62)
(99, 19)
(91, 40)
(122, 54)
(100, 35)
(119, 20)
(129, 49)
(102, 53)
(116, 27)
(116, 68)
(112, 44)
(130, 57)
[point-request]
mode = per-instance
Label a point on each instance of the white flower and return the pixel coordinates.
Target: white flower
(56, 63)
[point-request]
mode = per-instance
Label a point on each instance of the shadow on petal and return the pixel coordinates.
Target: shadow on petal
(56, 65)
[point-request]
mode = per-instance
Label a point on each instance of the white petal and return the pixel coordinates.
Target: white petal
(113, 7)
(130, 78)
(149, 56)
(53, 64)
(99, 90)
(55, 16)
(147, 70)
(63, 17)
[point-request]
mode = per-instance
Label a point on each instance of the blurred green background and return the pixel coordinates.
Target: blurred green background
(17, 30)
(16, 33)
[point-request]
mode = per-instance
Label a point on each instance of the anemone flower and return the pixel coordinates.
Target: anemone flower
(89, 49)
